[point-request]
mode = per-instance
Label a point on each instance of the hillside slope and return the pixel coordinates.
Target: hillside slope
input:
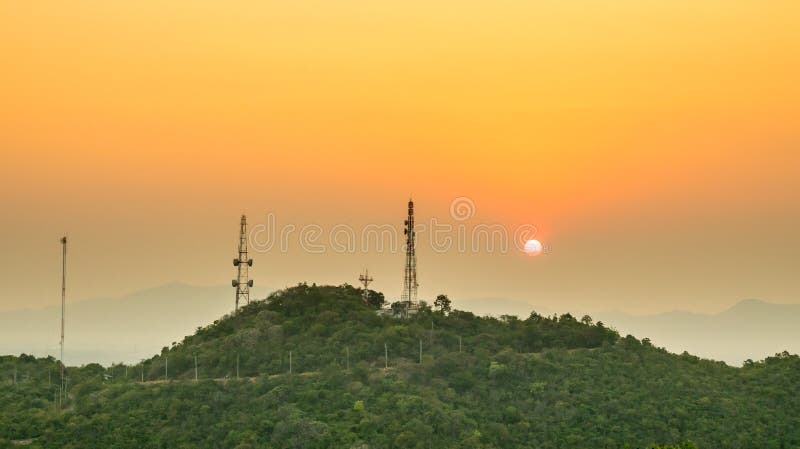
(481, 383)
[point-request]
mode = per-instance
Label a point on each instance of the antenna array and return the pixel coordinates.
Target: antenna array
(365, 279)
(242, 283)
(409, 295)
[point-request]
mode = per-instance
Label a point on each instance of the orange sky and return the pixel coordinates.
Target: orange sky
(655, 144)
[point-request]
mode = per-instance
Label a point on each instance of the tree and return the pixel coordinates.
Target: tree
(442, 303)
(375, 299)
(397, 307)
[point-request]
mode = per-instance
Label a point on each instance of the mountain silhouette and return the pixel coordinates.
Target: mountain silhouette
(127, 328)
(750, 329)
(135, 326)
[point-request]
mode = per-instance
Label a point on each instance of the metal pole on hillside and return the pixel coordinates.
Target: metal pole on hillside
(63, 310)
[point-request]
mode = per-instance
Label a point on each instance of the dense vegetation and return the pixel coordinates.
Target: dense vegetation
(541, 382)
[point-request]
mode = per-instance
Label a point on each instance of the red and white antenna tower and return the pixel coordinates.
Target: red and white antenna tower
(242, 283)
(409, 296)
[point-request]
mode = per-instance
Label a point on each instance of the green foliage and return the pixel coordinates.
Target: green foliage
(540, 382)
(375, 299)
(442, 304)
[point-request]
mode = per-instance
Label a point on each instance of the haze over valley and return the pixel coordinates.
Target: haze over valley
(136, 326)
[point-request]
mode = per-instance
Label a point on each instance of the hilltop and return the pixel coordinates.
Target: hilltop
(482, 382)
(321, 325)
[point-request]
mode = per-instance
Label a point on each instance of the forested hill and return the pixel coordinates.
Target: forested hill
(358, 381)
(321, 325)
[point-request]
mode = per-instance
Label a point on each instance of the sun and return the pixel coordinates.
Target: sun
(533, 247)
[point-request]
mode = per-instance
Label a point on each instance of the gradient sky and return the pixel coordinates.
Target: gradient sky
(655, 144)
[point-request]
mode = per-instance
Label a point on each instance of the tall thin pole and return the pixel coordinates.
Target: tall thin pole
(63, 309)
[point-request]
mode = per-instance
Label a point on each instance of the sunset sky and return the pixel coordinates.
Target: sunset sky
(654, 144)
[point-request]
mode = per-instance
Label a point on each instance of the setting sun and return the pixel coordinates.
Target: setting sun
(632, 144)
(533, 247)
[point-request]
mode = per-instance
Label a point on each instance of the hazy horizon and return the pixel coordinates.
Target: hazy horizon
(652, 148)
(131, 327)
(56, 302)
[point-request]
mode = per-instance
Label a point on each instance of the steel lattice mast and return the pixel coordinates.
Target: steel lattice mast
(242, 283)
(409, 296)
(365, 279)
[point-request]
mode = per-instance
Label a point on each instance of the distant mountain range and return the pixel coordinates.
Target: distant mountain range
(127, 328)
(751, 329)
(499, 306)
(136, 326)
